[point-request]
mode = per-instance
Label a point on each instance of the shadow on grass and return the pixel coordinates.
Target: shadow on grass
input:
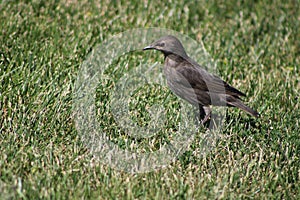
(246, 121)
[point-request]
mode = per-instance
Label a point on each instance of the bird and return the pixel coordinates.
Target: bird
(190, 81)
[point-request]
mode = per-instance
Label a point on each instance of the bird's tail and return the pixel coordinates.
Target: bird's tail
(239, 104)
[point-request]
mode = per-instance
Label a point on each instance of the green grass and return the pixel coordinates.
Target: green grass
(43, 44)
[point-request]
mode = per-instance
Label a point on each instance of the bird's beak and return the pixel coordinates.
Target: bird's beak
(148, 47)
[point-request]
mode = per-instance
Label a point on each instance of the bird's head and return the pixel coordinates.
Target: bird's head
(168, 45)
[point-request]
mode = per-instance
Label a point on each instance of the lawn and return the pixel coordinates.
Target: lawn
(44, 49)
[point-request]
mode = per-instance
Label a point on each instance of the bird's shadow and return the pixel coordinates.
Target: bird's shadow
(218, 120)
(248, 122)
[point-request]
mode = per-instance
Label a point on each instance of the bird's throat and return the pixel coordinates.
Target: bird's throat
(173, 60)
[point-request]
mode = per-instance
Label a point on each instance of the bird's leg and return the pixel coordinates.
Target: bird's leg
(204, 114)
(207, 111)
(201, 112)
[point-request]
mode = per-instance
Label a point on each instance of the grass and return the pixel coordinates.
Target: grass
(43, 46)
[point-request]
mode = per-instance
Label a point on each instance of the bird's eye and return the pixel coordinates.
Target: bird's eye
(161, 44)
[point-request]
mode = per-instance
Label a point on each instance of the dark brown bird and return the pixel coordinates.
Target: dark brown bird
(187, 79)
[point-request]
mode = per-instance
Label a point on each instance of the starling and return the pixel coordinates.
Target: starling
(187, 79)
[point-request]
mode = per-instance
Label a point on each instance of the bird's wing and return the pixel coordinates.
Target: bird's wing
(198, 78)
